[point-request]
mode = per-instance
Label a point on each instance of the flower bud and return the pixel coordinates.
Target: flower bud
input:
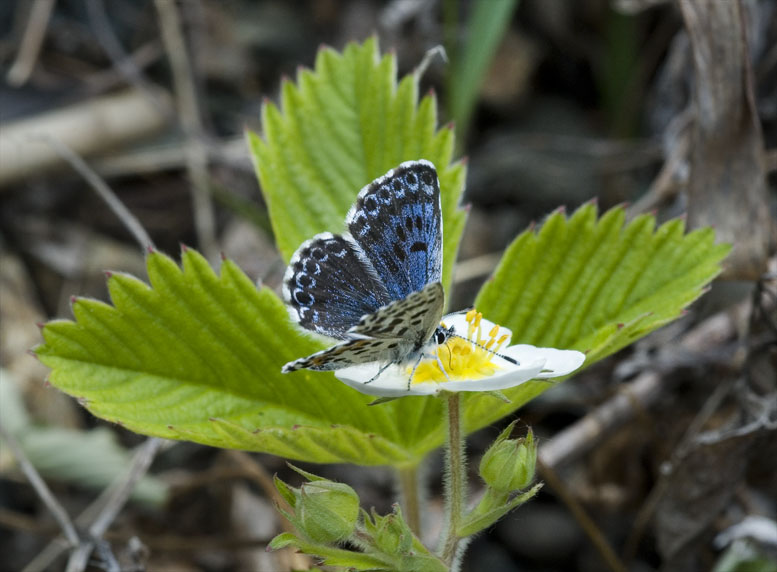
(327, 511)
(509, 464)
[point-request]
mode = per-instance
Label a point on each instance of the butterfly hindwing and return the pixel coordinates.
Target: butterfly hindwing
(397, 221)
(330, 284)
(364, 350)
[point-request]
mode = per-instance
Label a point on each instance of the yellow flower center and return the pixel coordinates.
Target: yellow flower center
(464, 358)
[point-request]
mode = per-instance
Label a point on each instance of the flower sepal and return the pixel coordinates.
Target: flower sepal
(390, 537)
(496, 394)
(493, 506)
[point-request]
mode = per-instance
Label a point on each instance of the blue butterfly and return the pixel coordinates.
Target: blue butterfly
(376, 287)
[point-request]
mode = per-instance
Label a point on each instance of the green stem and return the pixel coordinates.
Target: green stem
(408, 486)
(456, 481)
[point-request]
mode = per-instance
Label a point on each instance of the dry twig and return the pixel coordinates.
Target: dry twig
(45, 494)
(31, 42)
(124, 63)
(727, 184)
(87, 128)
(117, 496)
(103, 190)
(588, 525)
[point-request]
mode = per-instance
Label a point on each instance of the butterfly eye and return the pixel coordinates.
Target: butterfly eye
(440, 336)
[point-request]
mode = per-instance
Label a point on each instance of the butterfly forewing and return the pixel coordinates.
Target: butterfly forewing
(396, 220)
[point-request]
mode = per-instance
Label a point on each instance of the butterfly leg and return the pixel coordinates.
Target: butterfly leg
(418, 362)
(442, 368)
(415, 367)
(377, 375)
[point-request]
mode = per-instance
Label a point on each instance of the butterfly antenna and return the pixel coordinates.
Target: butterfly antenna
(450, 357)
(482, 347)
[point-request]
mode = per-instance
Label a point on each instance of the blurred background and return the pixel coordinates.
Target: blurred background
(668, 107)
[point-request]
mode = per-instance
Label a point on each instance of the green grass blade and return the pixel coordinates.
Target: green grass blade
(470, 62)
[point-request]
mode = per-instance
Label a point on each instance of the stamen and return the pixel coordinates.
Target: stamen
(467, 357)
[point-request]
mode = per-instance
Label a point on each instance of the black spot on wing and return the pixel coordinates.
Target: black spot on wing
(392, 218)
(330, 286)
(399, 250)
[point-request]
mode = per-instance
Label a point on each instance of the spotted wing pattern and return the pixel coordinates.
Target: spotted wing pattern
(397, 221)
(391, 334)
(413, 318)
(330, 284)
(377, 287)
(363, 350)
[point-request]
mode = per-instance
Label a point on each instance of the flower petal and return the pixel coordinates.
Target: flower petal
(390, 383)
(557, 362)
(533, 363)
(510, 376)
(458, 321)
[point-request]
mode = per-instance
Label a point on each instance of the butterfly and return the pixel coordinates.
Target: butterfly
(377, 286)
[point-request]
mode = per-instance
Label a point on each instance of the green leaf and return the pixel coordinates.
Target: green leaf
(594, 285)
(342, 125)
(198, 357)
(331, 555)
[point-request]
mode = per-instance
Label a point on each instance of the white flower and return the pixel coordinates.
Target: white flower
(470, 363)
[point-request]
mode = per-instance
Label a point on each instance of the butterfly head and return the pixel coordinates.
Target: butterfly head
(442, 334)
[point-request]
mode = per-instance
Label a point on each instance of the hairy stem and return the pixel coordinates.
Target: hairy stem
(456, 478)
(408, 488)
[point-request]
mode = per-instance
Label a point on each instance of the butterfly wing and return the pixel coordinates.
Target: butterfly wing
(413, 318)
(352, 352)
(378, 287)
(398, 224)
(330, 284)
(388, 335)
